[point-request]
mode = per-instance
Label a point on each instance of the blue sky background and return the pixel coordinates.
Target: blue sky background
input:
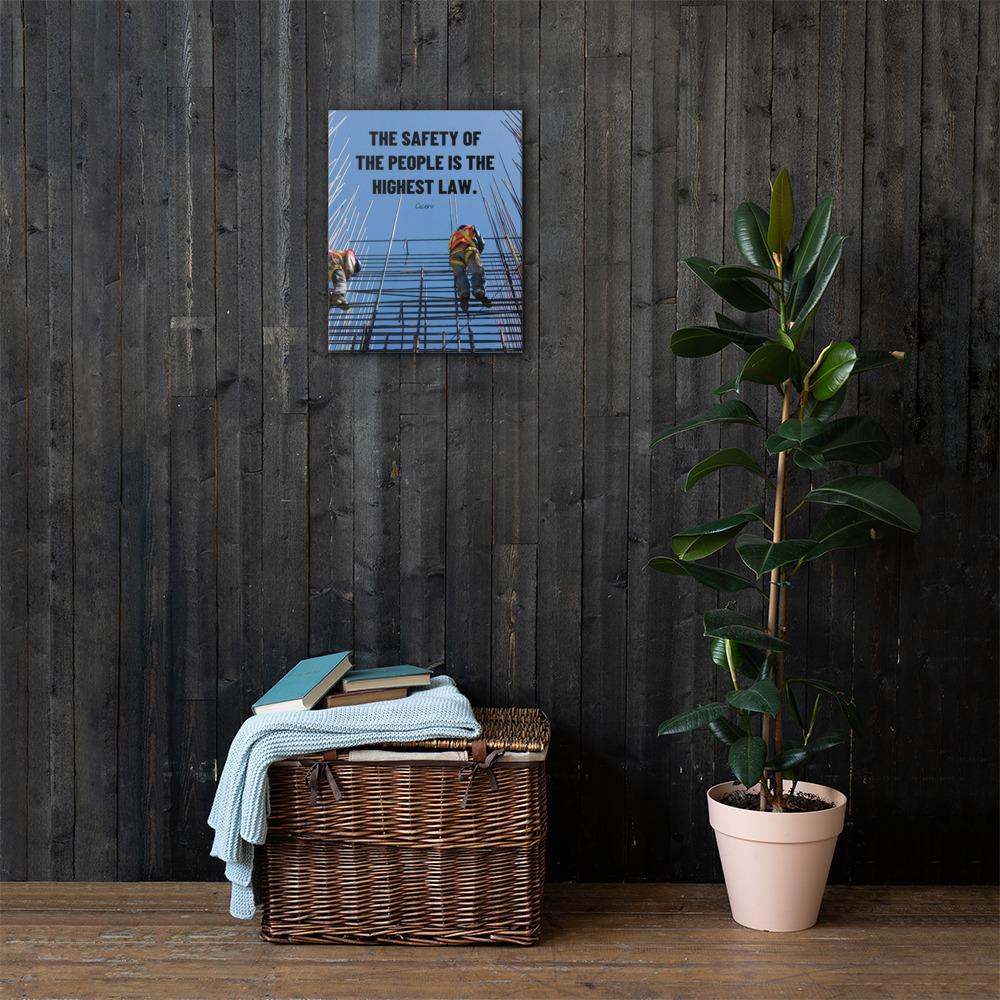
(435, 221)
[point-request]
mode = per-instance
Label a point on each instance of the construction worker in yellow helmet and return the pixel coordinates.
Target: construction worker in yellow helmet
(341, 266)
(464, 249)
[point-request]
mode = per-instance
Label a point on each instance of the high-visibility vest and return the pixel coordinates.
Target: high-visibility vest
(464, 242)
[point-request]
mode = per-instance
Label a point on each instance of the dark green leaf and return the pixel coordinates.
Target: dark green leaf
(704, 539)
(749, 662)
(725, 624)
(829, 258)
(840, 528)
(730, 272)
(803, 289)
(806, 458)
(787, 268)
(793, 433)
(871, 496)
(824, 743)
(726, 458)
(762, 556)
(746, 758)
(702, 341)
(790, 756)
(725, 322)
(859, 440)
(750, 229)
(722, 729)
(813, 237)
(834, 370)
(763, 697)
(801, 324)
(740, 293)
(824, 409)
(869, 360)
(779, 229)
(731, 412)
(732, 385)
(769, 364)
(796, 369)
(694, 718)
(717, 579)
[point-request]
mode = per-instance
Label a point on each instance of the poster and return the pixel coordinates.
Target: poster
(424, 231)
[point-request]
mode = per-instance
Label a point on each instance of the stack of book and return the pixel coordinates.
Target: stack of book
(331, 681)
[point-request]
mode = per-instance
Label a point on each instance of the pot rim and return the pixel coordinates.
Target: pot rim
(771, 827)
(811, 786)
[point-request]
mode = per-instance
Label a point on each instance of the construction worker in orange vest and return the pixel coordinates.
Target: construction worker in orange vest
(341, 266)
(464, 249)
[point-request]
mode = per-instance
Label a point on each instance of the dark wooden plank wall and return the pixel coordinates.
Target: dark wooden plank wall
(194, 494)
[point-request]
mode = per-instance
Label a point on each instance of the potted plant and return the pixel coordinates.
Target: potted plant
(776, 834)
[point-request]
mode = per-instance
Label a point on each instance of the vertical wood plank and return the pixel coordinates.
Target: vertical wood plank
(515, 390)
(331, 74)
(375, 381)
(146, 679)
(193, 611)
(14, 442)
(939, 631)
(192, 631)
(560, 415)
(469, 538)
(50, 396)
(839, 152)
(239, 357)
(422, 393)
(607, 277)
(984, 366)
(96, 434)
(700, 231)
(750, 34)
(191, 279)
(655, 52)
(794, 112)
(285, 391)
(889, 319)
(979, 487)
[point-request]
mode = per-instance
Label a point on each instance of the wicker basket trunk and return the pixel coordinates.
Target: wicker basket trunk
(446, 846)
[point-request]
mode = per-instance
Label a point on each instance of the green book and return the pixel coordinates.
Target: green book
(373, 678)
(305, 683)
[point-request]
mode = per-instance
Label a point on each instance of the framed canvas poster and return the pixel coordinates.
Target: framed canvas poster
(424, 231)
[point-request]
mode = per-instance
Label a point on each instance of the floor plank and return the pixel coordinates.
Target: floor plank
(176, 940)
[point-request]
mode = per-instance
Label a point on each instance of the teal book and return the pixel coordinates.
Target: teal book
(373, 678)
(305, 683)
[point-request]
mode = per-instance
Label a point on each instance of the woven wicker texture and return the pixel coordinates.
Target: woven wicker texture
(412, 853)
(524, 730)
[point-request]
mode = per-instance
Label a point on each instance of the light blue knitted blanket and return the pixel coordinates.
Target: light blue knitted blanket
(239, 812)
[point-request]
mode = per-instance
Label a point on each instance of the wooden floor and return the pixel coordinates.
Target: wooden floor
(176, 940)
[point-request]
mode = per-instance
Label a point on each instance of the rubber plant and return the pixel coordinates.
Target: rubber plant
(811, 439)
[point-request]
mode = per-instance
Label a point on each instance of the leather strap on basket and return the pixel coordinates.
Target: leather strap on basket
(485, 765)
(321, 767)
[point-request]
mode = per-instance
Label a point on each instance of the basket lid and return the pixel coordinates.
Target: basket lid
(517, 730)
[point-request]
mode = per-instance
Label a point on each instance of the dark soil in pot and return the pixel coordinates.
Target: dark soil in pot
(800, 802)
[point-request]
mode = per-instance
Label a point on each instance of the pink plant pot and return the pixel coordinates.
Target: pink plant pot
(776, 864)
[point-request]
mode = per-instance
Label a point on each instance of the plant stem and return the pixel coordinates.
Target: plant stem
(776, 595)
(779, 680)
(727, 643)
